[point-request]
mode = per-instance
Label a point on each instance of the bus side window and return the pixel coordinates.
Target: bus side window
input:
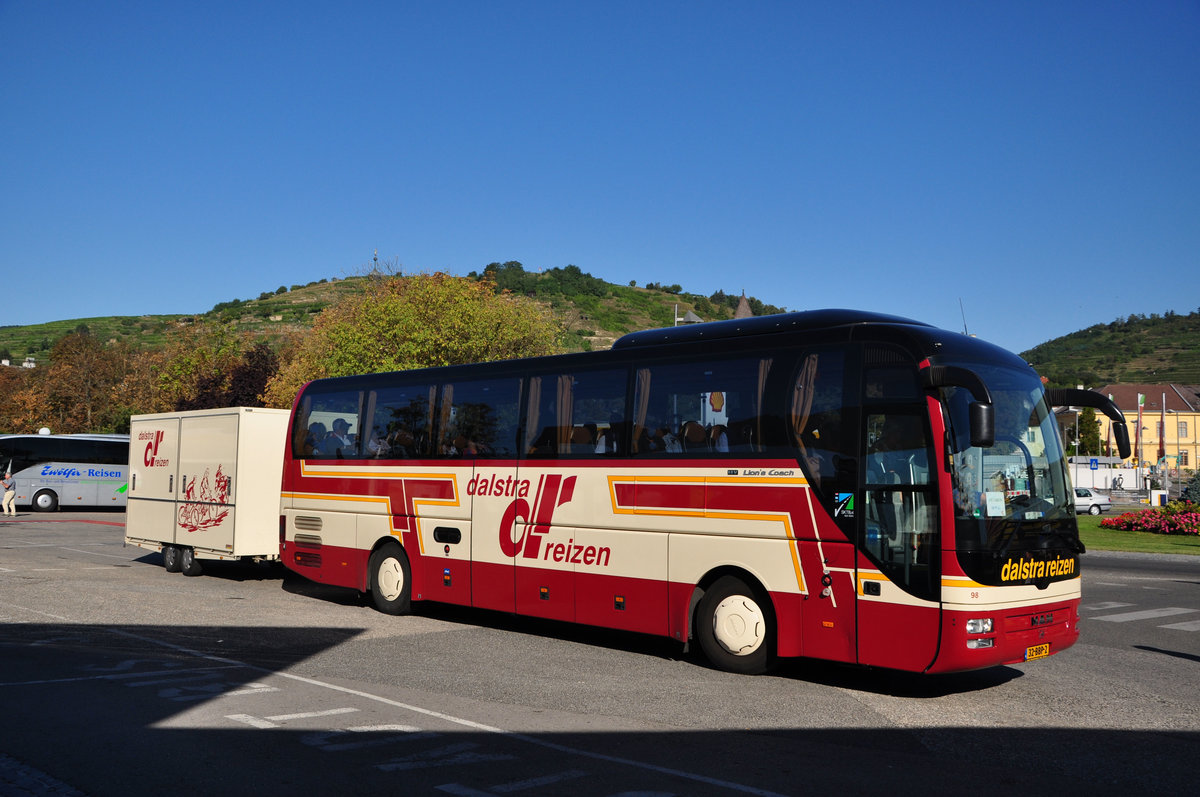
(816, 416)
(331, 428)
(707, 407)
(577, 414)
(403, 422)
(479, 419)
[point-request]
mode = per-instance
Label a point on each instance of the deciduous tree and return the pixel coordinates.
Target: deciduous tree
(398, 323)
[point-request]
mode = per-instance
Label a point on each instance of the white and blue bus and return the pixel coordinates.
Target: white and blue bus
(69, 470)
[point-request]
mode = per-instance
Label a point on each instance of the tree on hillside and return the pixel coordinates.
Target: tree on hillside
(398, 323)
(78, 383)
(12, 382)
(72, 394)
(199, 367)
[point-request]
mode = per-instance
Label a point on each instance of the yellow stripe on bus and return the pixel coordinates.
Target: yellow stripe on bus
(781, 517)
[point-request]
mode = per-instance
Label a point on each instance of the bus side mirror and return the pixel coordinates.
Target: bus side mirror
(1061, 397)
(982, 411)
(983, 424)
(1121, 432)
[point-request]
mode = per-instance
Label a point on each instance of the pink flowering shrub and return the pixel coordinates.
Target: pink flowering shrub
(1177, 517)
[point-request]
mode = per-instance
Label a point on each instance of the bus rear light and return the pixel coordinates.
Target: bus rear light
(306, 559)
(976, 644)
(979, 625)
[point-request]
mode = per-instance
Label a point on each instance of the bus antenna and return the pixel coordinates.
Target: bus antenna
(964, 316)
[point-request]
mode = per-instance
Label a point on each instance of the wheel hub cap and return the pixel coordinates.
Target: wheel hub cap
(739, 625)
(390, 579)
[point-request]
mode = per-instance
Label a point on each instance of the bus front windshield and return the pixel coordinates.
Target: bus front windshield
(1012, 498)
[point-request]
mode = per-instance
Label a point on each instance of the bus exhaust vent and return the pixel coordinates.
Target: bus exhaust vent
(308, 523)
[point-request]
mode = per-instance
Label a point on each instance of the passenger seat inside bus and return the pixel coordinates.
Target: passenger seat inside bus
(693, 436)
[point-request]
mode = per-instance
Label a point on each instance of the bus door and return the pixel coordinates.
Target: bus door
(153, 477)
(429, 482)
(465, 561)
(821, 425)
(898, 560)
(531, 528)
(207, 461)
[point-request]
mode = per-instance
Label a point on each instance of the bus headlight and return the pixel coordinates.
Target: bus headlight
(979, 625)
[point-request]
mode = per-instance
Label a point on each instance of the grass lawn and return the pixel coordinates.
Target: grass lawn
(1098, 539)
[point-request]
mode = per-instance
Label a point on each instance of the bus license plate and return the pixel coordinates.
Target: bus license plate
(1037, 652)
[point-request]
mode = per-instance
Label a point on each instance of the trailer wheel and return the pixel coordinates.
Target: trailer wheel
(189, 565)
(171, 557)
(45, 501)
(736, 632)
(390, 580)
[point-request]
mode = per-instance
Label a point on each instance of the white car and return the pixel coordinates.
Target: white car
(1090, 501)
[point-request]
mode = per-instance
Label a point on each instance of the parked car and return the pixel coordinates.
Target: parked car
(1090, 501)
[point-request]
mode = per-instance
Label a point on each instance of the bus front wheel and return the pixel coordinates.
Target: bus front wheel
(735, 630)
(45, 501)
(171, 557)
(391, 580)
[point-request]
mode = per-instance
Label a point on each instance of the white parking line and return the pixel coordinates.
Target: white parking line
(333, 712)
(97, 553)
(1148, 614)
(456, 754)
(1106, 606)
(1190, 625)
(511, 788)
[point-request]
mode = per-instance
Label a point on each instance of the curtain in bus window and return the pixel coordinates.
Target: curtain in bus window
(426, 445)
(816, 416)
(302, 442)
(564, 412)
(542, 432)
(764, 370)
(372, 438)
(640, 435)
(802, 400)
(533, 415)
(446, 408)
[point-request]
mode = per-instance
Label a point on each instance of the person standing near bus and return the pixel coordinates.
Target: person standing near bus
(10, 494)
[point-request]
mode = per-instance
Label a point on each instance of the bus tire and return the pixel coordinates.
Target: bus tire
(189, 565)
(735, 627)
(171, 559)
(390, 580)
(45, 501)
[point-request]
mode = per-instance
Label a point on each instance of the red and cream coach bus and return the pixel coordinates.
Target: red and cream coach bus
(831, 484)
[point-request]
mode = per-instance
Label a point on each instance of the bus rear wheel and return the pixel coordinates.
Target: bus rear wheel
(736, 632)
(390, 580)
(171, 559)
(45, 501)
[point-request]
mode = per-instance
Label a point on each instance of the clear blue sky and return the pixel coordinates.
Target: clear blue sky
(1039, 162)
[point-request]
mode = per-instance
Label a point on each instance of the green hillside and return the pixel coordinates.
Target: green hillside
(269, 314)
(594, 313)
(1154, 349)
